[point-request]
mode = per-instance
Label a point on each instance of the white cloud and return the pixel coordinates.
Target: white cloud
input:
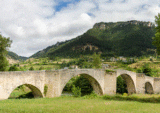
(35, 24)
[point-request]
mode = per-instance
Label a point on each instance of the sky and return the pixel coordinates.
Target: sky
(33, 25)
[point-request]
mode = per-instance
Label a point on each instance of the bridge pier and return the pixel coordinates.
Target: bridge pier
(110, 83)
(52, 83)
(156, 86)
(140, 80)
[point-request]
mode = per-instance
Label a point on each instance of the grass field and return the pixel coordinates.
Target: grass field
(67, 104)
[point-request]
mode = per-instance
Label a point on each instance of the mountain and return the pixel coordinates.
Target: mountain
(14, 56)
(131, 38)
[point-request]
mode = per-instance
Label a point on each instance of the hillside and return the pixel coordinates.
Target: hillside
(131, 38)
(14, 56)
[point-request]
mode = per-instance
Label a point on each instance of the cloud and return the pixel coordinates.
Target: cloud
(34, 25)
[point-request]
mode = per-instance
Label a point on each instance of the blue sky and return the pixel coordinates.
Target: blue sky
(34, 25)
(63, 4)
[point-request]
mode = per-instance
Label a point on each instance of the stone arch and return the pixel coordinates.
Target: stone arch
(148, 88)
(94, 83)
(35, 91)
(129, 82)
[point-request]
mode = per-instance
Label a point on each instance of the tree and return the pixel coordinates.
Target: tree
(121, 85)
(31, 68)
(13, 68)
(147, 70)
(156, 39)
(4, 44)
(96, 61)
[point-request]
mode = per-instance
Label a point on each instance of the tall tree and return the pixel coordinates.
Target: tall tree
(156, 39)
(96, 61)
(4, 44)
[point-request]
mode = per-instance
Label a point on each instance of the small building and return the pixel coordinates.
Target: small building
(74, 66)
(65, 67)
(105, 66)
(122, 58)
(113, 59)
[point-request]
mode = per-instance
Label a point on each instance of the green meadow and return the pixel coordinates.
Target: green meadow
(85, 104)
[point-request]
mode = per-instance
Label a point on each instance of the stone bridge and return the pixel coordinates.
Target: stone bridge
(102, 82)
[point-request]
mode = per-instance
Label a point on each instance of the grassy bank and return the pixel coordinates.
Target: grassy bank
(86, 104)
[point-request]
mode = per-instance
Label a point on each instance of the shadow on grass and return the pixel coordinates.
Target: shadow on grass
(28, 95)
(132, 98)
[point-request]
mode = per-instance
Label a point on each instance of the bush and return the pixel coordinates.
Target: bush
(22, 87)
(147, 70)
(132, 98)
(45, 89)
(151, 59)
(13, 68)
(80, 82)
(84, 84)
(96, 61)
(27, 95)
(76, 91)
(125, 94)
(31, 68)
(21, 69)
(139, 71)
(91, 96)
(121, 85)
(107, 71)
(41, 68)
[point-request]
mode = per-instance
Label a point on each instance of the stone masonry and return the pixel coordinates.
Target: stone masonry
(102, 82)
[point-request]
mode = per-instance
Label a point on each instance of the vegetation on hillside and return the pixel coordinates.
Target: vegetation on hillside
(115, 39)
(15, 56)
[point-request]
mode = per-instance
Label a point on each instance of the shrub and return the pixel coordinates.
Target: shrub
(41, 68)
(45, 89)
(48, 68)
(147, 70)
(21, 69)
(27, 95)
(108, 97)
(84, 85)
(91, 96)
(80, 82)
(151, 59)
(31, 68)
(107, 70)
(125, 94)
(121, 85)
(139, 70)
(76, 91)
(14, 68)
(96, 61)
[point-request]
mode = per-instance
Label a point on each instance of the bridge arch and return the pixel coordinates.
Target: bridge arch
(35, 91)
(148, 88)
(94, 83)
(129, 82)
